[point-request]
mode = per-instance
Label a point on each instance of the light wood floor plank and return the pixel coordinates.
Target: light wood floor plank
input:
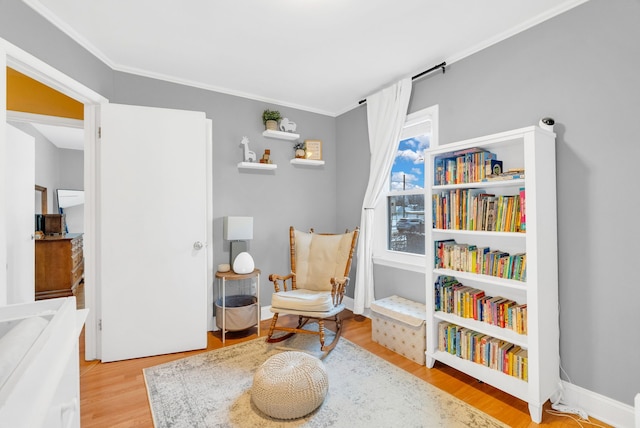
(114, 394)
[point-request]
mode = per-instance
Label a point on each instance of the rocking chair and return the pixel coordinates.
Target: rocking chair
(320, 265)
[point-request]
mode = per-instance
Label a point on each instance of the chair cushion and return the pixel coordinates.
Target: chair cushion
(302, 300)
(320, 258)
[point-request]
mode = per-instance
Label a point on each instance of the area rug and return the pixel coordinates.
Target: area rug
(213, 389)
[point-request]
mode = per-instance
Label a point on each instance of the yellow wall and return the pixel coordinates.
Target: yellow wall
(30, 96)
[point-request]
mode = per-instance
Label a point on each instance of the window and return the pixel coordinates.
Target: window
(404, 218)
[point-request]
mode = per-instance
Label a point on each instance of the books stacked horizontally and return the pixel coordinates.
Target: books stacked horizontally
(510, 174)
(482, 349)
(455, 298)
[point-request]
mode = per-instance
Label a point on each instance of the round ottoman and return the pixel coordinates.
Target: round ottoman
(289, 385)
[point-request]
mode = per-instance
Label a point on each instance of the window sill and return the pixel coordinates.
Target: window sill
(414, 263)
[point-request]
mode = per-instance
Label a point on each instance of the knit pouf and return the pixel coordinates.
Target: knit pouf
(289, 385)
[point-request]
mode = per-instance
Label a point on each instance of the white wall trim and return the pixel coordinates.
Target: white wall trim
(28, 64)
(598, 406)
(20, 116)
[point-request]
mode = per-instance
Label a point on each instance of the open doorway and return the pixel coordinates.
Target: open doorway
(55, 122)
(88, 102)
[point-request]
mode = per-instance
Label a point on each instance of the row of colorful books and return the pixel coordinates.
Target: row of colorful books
(448, 254)
(475, 209)
(453, 297)
(482, 349)
(465, 166)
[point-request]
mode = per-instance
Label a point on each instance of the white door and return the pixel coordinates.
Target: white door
(19, 177)
(151, 231)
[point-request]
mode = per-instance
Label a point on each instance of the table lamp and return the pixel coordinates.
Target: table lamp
(238, 230)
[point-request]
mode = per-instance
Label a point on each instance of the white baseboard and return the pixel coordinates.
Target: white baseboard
(598, 406)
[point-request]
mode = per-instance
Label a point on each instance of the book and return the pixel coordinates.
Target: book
(523, 215)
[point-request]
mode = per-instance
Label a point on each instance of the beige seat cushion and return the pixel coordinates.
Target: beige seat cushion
(302, 300)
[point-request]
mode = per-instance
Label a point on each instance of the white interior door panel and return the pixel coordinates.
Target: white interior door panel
(152, 212)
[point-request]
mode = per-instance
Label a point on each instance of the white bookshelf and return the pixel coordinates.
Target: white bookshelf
(533, 149)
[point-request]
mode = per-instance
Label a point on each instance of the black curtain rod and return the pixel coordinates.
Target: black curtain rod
(442, 65)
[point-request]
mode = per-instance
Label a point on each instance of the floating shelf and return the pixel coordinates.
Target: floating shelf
(279, 135)
(256, 165)
(310, 162)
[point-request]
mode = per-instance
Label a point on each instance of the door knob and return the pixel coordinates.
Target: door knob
(198, 245)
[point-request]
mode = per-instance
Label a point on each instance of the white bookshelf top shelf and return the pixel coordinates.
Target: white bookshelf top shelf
(310, 162)
(279, 135)
(256, 165)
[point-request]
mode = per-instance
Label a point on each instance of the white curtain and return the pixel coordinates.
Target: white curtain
(386, 115)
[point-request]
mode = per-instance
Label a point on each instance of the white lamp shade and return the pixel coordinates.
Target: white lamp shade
(237, 228)
(243, 263)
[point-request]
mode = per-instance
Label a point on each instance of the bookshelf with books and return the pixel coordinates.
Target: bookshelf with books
(492, 270)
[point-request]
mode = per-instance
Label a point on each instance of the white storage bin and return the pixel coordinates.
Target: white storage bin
(399, 325)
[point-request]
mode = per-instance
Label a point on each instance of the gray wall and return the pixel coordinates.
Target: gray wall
(291, 195)
(20, 25)
(580, 68)
(47, 163)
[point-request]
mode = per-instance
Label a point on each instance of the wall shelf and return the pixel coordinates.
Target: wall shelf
(256, 165)
(279, 135)
(310, 162)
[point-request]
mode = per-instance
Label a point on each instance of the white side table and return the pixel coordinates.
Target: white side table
(222, 278)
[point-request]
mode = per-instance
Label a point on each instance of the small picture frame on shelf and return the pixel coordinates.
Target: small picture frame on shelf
(313, 149)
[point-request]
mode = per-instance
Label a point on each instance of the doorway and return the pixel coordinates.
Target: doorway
(21, 61)
(57, 164)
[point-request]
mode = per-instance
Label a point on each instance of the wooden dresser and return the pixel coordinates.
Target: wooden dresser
(59, 265)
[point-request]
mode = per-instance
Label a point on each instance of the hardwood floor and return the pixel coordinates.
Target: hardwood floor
(114, 394)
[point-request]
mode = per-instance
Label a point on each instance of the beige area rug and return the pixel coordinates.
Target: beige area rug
(213, 389)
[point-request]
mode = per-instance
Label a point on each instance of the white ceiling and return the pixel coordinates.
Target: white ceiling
(318, 55)
(61, 136)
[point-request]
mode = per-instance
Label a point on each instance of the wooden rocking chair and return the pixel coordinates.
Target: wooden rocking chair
(320, 265)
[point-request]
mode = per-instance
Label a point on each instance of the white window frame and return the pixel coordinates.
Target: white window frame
(381, 254)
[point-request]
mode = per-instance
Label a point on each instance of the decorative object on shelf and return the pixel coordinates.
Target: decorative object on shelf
(243, 263)
(224, 267)
(313, 149)
(238, 230)
(287, 125)
(299, 148)
(270, 119)
(249, 156)
(547, 123)
(266, 157)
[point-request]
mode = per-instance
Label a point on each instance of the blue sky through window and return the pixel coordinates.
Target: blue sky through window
(407, 172)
